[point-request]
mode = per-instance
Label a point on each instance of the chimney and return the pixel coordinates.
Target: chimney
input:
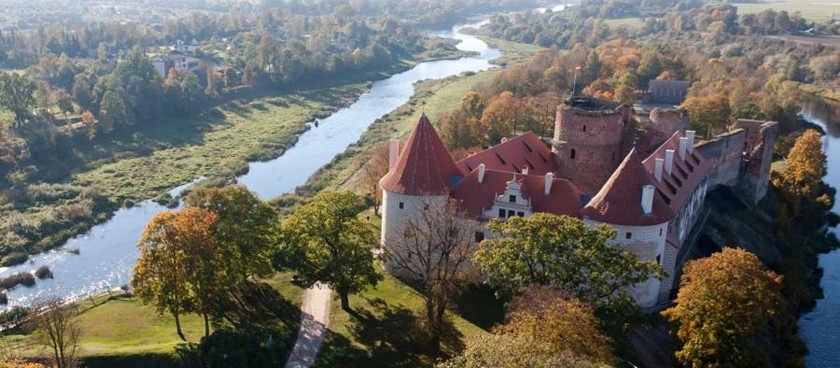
(647, 199)
(393, 152)
(548, 179)
(657, 171)
(690, 135)
(480, 173)
(683, 144)
(669, 160)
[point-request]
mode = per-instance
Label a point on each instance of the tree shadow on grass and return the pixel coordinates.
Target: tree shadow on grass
(479, 305)
(260, 309)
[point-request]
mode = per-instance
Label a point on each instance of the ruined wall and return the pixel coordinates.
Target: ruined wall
(758, 145)
(589, 145)
(663, 124)
(724, 155)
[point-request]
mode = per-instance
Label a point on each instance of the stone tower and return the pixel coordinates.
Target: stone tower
(590, 138)
(421, 175)
(663, 124)
(630, 203)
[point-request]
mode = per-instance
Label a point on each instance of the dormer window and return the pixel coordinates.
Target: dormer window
(512, 199)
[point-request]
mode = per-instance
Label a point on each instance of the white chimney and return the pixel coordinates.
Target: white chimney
(657, 168)
(683, 144)
(393, 152)
(690, 135)
(647, 199)
(548, 179)
(669, 160)
(480, 173)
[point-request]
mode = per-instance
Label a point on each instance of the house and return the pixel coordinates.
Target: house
(163, 63)
(652, 196)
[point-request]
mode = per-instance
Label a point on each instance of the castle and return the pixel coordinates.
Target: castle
(649, 187)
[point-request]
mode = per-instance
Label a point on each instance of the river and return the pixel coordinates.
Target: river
(108, 251)
(821, 327)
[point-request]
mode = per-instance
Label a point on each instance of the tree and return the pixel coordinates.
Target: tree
(175, 271)
(375, 168)
(708, 114)
(433, 251)
(723, 300)
(514, 351)
(560, 320)
(244, 228)
(17, 95)
(90, 124)
(806, 165)
(565, 253)
(54, 326)
(324, 240)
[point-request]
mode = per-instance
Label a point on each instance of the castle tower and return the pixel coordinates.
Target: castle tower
(422, 174)
(664, 122)
(630, 203)
(590, 138)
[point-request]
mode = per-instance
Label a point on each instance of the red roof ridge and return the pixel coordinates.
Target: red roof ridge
(424, 167)
(618, 202)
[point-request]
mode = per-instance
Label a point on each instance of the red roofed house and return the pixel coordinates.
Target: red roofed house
(653, 202)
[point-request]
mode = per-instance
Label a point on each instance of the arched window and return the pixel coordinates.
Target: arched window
(572, 154)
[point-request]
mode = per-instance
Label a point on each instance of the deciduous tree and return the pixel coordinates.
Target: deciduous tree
(17, 95)
(723, 300)
(325, 240)
(54, 326)
(374, 169)
(432, 251)
(709, 114)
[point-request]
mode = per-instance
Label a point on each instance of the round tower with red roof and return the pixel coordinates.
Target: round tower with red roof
(420, 176)
(631, 204)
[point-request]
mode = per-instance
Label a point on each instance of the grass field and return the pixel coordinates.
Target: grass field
(631, 23)
(814, 10)
(384, 328)
(120, 330)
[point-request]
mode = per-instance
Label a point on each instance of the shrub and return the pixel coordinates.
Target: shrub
(15, 258)
(4, 299)
(25, 279)
(43, 272)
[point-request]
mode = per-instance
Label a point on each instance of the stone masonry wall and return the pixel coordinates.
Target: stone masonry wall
(724, 156)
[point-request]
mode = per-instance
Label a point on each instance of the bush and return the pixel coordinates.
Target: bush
(14, 314)
(15, 258)
(25, 279)
(43, 272)
(4, 299)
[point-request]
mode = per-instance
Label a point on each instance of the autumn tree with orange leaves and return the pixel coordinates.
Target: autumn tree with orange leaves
(723, 301)
(179, 267)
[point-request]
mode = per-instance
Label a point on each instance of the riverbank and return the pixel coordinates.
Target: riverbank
(124, 169)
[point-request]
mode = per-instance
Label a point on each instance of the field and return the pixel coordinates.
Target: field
(814, 10)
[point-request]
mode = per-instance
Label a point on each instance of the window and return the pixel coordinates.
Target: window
(584, 128)
(660, 231)
(402, 205)
(511, 213)
(628, 235)
(512, 199)
(501, 213)
(659, 259)
(520, 214)
(479, 236)
(572, 154)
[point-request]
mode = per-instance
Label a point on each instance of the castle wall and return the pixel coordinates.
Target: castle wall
(669, 262)
(590, 144)
(724, 155)
(648, 242)
(760, 139)
(664, 122)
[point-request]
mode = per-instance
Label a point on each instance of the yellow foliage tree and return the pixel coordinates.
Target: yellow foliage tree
(723, 300)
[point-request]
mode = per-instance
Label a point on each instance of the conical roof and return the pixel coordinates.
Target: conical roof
(619, 200)
(424, 167)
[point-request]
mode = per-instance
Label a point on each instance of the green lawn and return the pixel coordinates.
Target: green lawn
(815, 10)
(384, 329)
(121, 330)
(631, 23)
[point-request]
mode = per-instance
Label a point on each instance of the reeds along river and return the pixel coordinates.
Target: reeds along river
(108, 251)
(821, 327)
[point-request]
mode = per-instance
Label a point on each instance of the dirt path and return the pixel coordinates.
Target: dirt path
(314, 319)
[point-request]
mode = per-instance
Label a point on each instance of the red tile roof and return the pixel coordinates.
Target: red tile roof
(524, 151)
(619, 200)
(563, 199)
(424, 167)
(685, 176)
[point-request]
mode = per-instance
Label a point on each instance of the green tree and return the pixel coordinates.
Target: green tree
(244, 228)
(17, 95)
(565, 253)
(325, 240)
(723, 300)
(709, 114)
(141, 86)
